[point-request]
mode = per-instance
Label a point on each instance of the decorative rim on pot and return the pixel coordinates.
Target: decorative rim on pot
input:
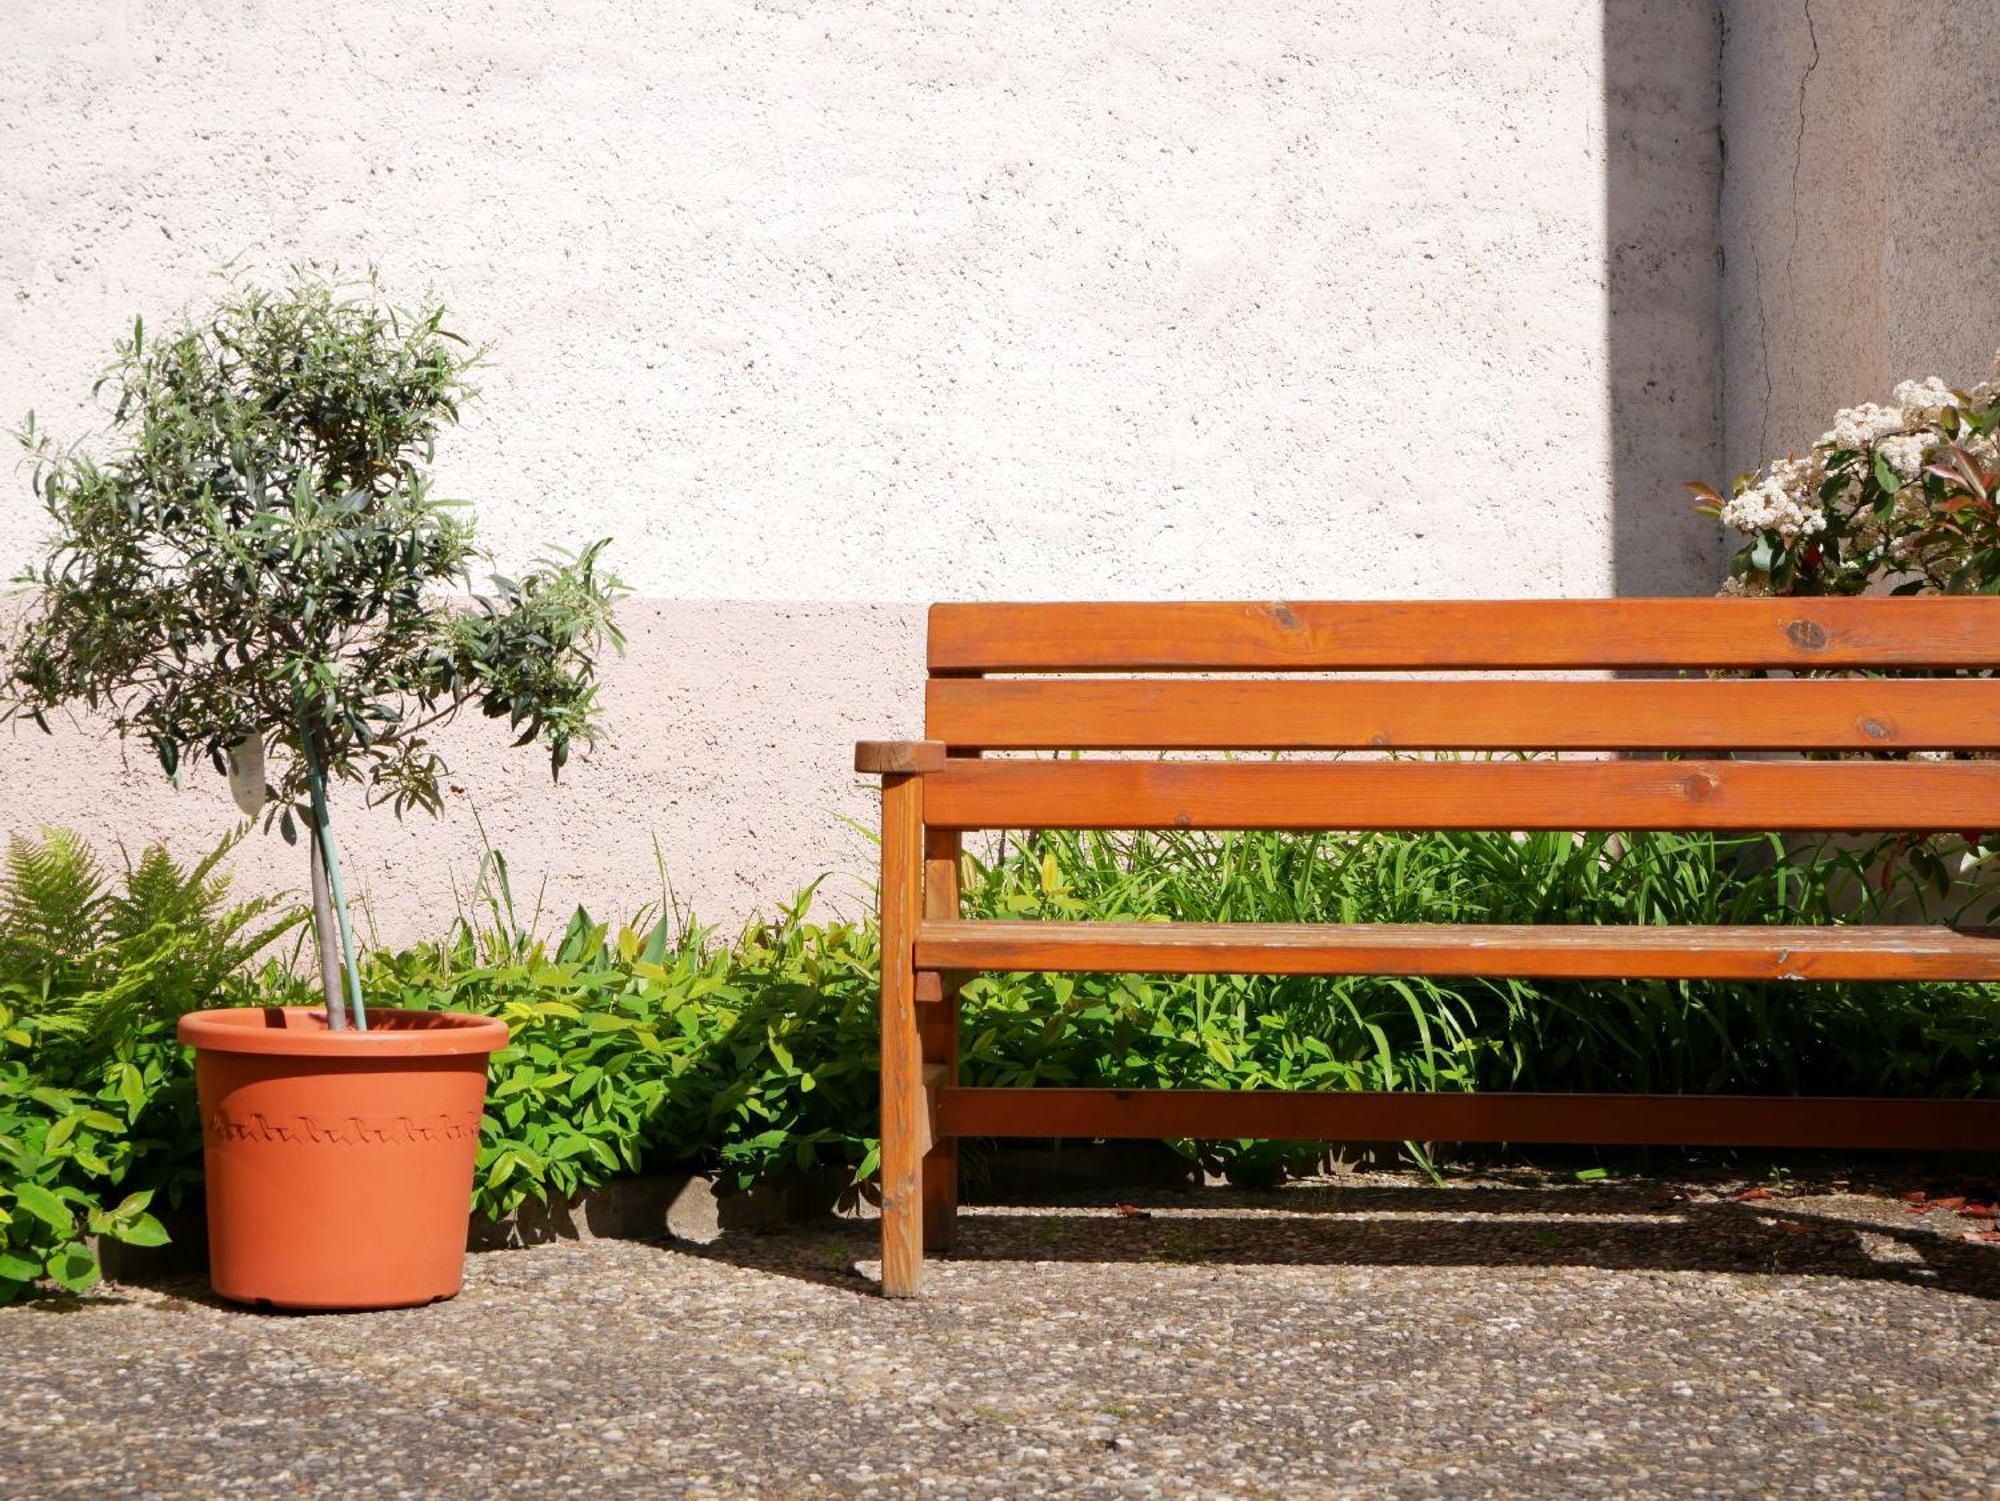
(301, 1031)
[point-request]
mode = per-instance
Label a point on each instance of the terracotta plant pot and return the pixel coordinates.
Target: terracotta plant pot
(339, 1164)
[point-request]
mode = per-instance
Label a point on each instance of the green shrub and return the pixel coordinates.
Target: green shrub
(654, 1043)
(784, 1074)
(651, 1044)
(573, 1096)
(97, 1107)
(1899, 496)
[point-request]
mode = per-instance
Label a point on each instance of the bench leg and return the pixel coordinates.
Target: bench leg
(905, 1114)
(940, 1170)
(937, 1028)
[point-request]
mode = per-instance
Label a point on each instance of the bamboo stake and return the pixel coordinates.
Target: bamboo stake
(329, 853)
(326, 936)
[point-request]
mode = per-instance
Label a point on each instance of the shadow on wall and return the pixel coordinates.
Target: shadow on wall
(1861, 210)
(1663, 162)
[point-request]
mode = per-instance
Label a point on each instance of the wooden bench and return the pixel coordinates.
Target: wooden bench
(1103, 678)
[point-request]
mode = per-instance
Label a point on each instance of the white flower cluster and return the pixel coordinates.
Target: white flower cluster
(1786, 500)
(1797, 476)
(1768, 506)
(1918, 404)
(1923, 401)
(1905, 453)
(1857, 427)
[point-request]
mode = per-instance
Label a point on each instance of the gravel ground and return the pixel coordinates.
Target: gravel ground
(1362, 1336)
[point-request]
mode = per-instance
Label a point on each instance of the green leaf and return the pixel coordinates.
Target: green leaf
(1886, 478)
(780, 1052)
(131, 1090)
(14, 1267)
(73, 1267)
(140, 1230)
(45, 1207)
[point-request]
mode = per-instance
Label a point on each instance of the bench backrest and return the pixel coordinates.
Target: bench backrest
(1310, 677)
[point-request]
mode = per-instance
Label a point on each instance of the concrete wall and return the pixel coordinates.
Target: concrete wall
(824, 312)
(1860, 210)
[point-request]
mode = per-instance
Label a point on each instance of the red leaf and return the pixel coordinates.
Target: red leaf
(1978, 1212)
(1745, 1196)
(1950, 1201)
(1134, 1212)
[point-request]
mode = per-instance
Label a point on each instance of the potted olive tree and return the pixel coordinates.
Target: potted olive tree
(255, 572)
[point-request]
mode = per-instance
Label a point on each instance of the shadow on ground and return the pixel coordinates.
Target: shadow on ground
(1648, 1228)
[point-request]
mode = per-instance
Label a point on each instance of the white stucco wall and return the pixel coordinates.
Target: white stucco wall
(824, 312)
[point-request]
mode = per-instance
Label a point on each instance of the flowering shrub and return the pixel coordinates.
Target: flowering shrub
(1903, 494)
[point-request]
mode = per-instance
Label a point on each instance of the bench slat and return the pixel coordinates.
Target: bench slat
(1585, 1119)
(1498, 951)
(1721, 795)
(1462, 714)
(1412, 635)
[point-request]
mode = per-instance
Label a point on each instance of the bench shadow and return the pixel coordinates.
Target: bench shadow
(1500, 1228)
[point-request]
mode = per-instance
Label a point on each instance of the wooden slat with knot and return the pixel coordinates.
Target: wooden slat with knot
(1403, 635)
(1934, 796)
(1469, 714)
(1541, 951)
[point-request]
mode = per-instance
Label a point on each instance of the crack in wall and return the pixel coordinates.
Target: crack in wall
(1792, 252)
(1720, 403)
(1763, 355)
(1799, 142)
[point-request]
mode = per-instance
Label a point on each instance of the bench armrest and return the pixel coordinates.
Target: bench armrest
(898, 757)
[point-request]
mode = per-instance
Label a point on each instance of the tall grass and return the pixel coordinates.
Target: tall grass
(1395, 1033)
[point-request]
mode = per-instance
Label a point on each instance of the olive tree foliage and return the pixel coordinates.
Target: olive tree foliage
(256, 554)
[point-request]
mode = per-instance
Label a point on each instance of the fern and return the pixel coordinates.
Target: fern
(175, 922)
(96, 1094)
(83, 963)
(54, 914)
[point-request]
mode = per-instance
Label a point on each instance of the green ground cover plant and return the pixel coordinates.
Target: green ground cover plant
(97, 1110)
(658, 1042)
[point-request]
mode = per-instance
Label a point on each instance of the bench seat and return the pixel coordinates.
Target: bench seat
(1761, 951)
